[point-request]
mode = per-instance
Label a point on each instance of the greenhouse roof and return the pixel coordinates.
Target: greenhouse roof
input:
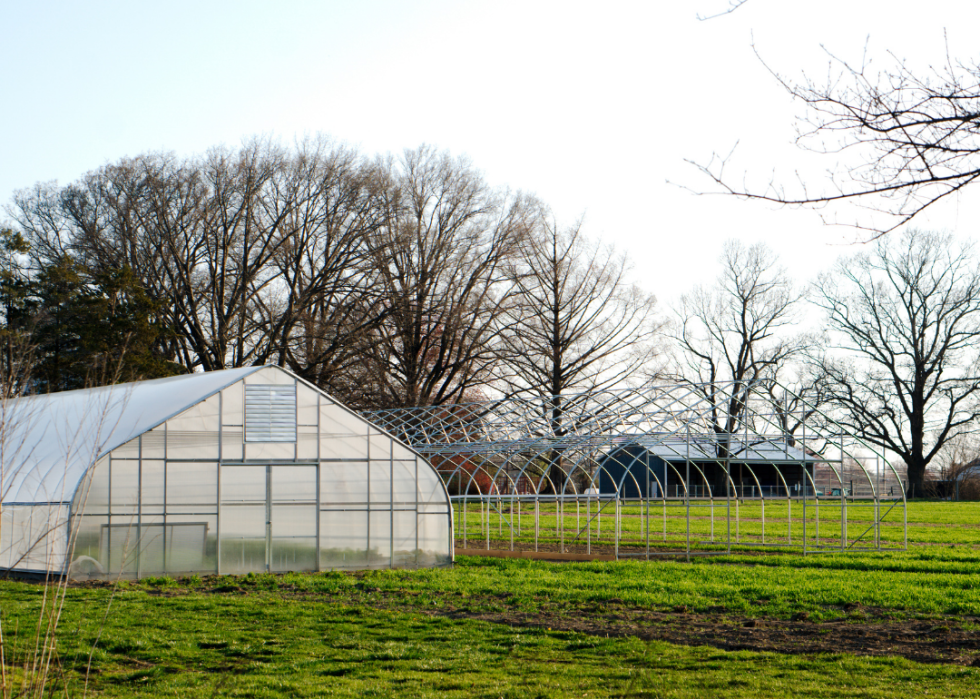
(48, 442)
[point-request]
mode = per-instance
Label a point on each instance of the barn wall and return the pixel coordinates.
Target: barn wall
(647, 473)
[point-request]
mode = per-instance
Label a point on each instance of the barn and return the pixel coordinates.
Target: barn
(227, 472)
(673, 466)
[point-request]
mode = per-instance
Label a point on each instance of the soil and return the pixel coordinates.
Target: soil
(929, 641)
(862, 631)
(865, 631)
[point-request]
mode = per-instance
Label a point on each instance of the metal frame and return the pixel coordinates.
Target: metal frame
(709, 492)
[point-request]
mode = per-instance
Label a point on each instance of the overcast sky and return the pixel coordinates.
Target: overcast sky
(592, 106)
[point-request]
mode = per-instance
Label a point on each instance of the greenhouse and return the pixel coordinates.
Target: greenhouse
(656, 470)
(236, 471)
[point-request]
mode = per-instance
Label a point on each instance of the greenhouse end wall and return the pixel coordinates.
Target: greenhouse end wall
(213, 491)
(33, 536)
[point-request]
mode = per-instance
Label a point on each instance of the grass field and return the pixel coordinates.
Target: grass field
(591, 526)
(749, 625)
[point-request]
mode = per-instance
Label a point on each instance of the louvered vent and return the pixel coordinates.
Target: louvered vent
(270, 413)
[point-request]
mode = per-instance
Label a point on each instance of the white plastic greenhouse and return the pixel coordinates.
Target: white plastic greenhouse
(223, 472)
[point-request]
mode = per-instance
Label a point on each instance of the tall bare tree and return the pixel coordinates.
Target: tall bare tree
(575, 322)
(735, 336)
(254, 255)
(908, 316)
(321, 306)
(199, 235)
(220, 265)
(439, 258)
(910, 138)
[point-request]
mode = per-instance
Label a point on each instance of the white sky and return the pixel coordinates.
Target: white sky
(593, 107)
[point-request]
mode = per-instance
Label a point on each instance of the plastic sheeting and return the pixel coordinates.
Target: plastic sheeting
(177, 488)
(51, 441)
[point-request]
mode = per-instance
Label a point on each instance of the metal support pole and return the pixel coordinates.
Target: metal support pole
(728, 503)
(843, 499)
(648, 513)
(561, 524)
(616, 529)
(805, 486)
(803, 449)
(558, 532)
(711, 505)
(512, 519)
(588, 523)
(789, 518)
(687, 491)
(537, 519)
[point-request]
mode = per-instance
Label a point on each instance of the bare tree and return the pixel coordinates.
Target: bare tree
(218, 260)
(321, 306)
(100, 222)
(254, 255)
(734, 337)
(908, 315)
(198, 234)
(439, 257)
(732, 6)
(798, 391)
(912, 138)
(379, 279)
(957, 455)
(575, 322)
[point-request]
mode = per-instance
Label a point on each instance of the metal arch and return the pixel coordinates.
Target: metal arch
(513, 443)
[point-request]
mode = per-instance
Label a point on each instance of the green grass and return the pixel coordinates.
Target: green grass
(270, 643)
(413, 633)
(959, 523)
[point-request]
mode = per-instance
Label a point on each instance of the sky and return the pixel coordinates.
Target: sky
(593, 107)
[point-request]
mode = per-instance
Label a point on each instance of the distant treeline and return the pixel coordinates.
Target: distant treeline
(405, 281)
(387, 281)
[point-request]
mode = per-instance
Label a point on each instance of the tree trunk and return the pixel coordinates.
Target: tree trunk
(555, 481)
(916, 475)
(721, 484)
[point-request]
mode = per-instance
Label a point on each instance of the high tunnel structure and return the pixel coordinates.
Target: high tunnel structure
(658, 470)
(222, 472)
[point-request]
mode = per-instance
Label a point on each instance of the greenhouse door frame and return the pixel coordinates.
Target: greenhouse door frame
(250, 488)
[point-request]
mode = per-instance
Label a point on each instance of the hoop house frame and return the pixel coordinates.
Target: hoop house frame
(646, 472)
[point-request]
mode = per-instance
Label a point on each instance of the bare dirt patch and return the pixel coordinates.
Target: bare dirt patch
(930, 641)
(862, 631)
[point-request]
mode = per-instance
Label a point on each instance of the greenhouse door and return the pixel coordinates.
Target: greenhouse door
(268, 518)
